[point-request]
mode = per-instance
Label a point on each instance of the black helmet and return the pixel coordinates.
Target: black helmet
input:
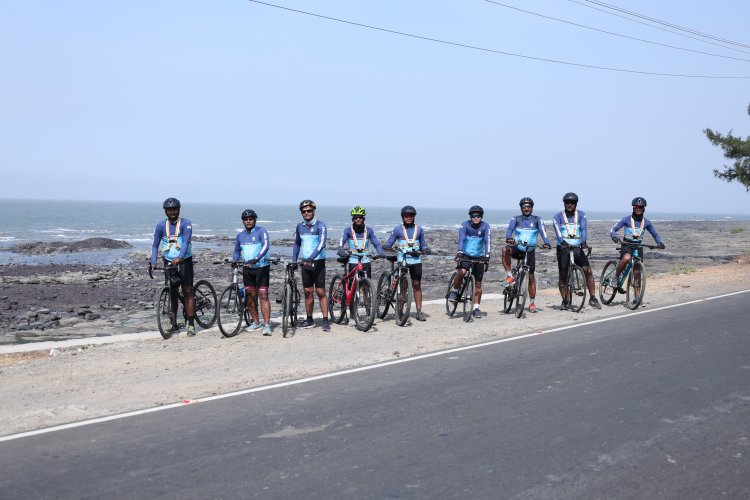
(526, 201)
(307, 203)
(171, 203)
(408, 209)
(476, 209)
(639, 201)
(249, 214)
(570, 197)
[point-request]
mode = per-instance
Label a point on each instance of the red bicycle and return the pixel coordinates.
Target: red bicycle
(353, 291)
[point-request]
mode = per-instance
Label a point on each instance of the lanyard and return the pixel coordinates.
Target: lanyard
(406, 236)
(568, 232)
(172, 240)
(632, 227)
(357, 248)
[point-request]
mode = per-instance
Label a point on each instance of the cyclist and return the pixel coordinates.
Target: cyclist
(172, 237)
(570, 230)
(524, 228)
(251, 246)
(310, 246)
(634, 225)
(409, 237)
(473, 242)
(356, 239)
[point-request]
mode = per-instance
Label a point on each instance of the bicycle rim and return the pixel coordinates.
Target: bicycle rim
(523, 289)
(576, 288)
(467, 297)
(450, 307)
(164, 313)
(205, 304)
(636, 286)
(336, 299)
(364, 306)
(607, 285)
(286, 300)
(403, 299)
(230, 312)
(384, 294)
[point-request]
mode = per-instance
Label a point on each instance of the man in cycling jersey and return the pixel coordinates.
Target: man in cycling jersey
(172, 237)
(473, 243)
(355, 240)
(523, 232)
(409, 239)
(251, 246)
(571, 231)
(634, 225)
(310, 246)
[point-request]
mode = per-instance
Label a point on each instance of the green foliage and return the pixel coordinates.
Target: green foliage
(683, 269)
(737, 149)
(736, 230)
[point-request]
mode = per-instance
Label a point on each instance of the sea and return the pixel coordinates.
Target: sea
(23, 221)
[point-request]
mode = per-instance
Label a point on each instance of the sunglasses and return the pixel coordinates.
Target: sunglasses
(248, 218)
(638, 206)
(357, 217)
(307, 211)
(570, 203)
(523, 207)
(475, 216)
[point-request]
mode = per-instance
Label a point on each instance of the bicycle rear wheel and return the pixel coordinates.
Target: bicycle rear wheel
(467, 297)
(403, 299)
(205, 304)
(607, 283)
(576, 288)
(164, 314)
(450, 307)
(286, 303)
(230, 312)
(523, 289)
(636, 286)
(384, 295)
(337, 299)
(364, 305)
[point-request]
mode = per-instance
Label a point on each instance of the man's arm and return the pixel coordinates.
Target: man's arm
(158, 233)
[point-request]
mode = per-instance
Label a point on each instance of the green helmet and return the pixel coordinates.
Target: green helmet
(357, 210)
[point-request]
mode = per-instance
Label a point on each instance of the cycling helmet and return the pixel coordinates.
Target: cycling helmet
(570, 197)
(638, 201)
(408, 209)
(358, 210)
(476, 209)
(171, 203)
(249, 214)
(526, 201)
(307, 203)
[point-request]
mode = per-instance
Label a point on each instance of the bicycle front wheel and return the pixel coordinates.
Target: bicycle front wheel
(636, 286)
(450, 307)
(403, 299)
(205, 304)
(608, 283)
(337, 299)
(230, 312)
(467, 297)
(286, 304)
(164, 314)
(509, 295)
(364, 305)
(576, 288)
(523, 290)
(384, 295)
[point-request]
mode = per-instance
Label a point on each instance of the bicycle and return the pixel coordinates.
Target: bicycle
(465, 291)
(289, 299)
(519, 289)
(395, 289)
(233, 304)
(575, 285)
(634, 273)
(205, 302)
(355, 291)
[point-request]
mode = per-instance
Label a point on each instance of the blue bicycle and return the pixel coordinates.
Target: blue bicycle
(633, 277)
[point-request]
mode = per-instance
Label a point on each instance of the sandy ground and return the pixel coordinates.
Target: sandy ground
(55, 386)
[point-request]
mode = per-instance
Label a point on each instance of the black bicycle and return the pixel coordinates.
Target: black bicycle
(466, 290)
(519, 289)
(574, 290)
(394, 289)
(166, 315)
(289, 299)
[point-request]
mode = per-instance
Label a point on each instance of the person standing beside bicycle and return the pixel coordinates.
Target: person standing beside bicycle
(251, 246)
(310, 247)
(571, 231)
(409, 240)
(355, 240)
(523, 232)
(474, 243)
(634, 225)
(172, 237)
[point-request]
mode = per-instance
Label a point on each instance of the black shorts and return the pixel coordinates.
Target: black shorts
(563, 259)
(530, 260)
(627, 249)
(366, 267)
(477, 269)
(415, 271)
(184, 269)
(256, 277)
(314, 275)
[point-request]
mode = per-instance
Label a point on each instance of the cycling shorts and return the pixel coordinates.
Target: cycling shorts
(563, 259)
(185, 270)
(314, 275)
(415, 271)
(366, 267)
(256, 277)
(530, 260)
(477, 269)
(627, 249)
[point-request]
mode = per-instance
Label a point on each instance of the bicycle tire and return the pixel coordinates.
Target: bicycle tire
(384, 295)
(607, 290)
(364, 305)
(576, 288)
(636, 286)
(286, 306)
(164, 313)
(337, 299)
(230, 312)
(509, 295)
(402, 298)
(523, 289)
(205, 304)
(467, 297)
(450, 307)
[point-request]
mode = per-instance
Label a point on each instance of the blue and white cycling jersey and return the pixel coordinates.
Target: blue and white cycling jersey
(526, 230)
(474, 241)
(172, 239)
(570, 228)
(634, 228)
(252, 245)
(409, 239)
(358, 244)
(310, 241)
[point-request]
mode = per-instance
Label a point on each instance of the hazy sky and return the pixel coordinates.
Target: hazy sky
(232, 101)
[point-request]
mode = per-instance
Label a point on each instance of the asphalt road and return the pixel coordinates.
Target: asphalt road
(653, 405)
